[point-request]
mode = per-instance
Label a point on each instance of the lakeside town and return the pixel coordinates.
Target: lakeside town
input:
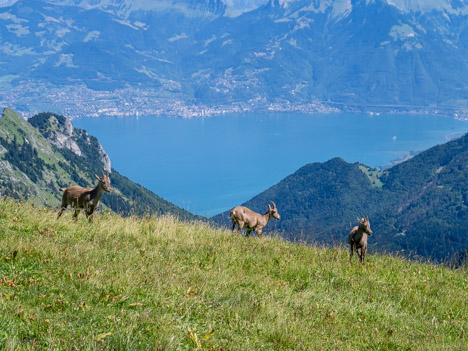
(79, 101)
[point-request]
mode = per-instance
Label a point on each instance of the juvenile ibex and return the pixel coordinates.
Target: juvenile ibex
(252, 221)
(358, 238)
(84, 198)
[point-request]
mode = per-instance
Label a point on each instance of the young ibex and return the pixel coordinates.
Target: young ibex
(358, 238)
(250, 220)
(84, 198)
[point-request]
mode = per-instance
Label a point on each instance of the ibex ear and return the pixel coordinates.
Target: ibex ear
(359, 219)
(269, 207)
(97, 177)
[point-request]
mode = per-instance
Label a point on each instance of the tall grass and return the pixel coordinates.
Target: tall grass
(160, 284)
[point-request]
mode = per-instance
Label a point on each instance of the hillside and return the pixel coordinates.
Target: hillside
(40, 155)
(418, 207)
(192, 58)
(156, 283)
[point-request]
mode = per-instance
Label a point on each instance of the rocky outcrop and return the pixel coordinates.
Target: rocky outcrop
(59, 131)
(63, 137)
(105, 159)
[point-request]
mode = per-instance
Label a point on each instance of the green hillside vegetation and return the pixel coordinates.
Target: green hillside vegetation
(418, 208)
(156, 283)
(40, 155)
(373, 175)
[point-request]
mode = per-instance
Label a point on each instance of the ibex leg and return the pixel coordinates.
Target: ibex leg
(89, 215)
(60, 212)
(359, 251)
(63, 207)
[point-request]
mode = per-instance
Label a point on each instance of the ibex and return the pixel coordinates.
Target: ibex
(252, 221)
(358, 239)
(84, 198)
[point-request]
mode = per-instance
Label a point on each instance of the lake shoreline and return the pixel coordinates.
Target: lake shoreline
(197, 111)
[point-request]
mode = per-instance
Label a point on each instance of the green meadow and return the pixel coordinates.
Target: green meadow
(156, 283)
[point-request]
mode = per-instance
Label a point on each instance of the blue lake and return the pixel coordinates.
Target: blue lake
(209, 165)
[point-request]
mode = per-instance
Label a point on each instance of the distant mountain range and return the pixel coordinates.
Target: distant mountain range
(40, 155)
(207, 56)
(418, 208)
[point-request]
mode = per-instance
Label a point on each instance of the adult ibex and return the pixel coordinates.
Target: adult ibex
(84, 198)
(358, 238)
(252, 221)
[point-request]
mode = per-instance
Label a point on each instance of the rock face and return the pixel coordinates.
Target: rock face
(63, 136)
(105, 159)
(60, 132)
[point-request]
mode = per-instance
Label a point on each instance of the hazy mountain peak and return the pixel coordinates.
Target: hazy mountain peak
(235, 8)
(406, 6)
(426, 6)
(124, 8)
(4, 3)
(337, 8)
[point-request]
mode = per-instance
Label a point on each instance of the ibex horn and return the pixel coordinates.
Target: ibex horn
(274, 205)
(103, 175)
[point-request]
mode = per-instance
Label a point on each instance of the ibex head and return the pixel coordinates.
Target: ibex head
(104, 181)
(364, 224)
(273, 211)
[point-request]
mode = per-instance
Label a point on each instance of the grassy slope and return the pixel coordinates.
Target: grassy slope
(156, 283)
